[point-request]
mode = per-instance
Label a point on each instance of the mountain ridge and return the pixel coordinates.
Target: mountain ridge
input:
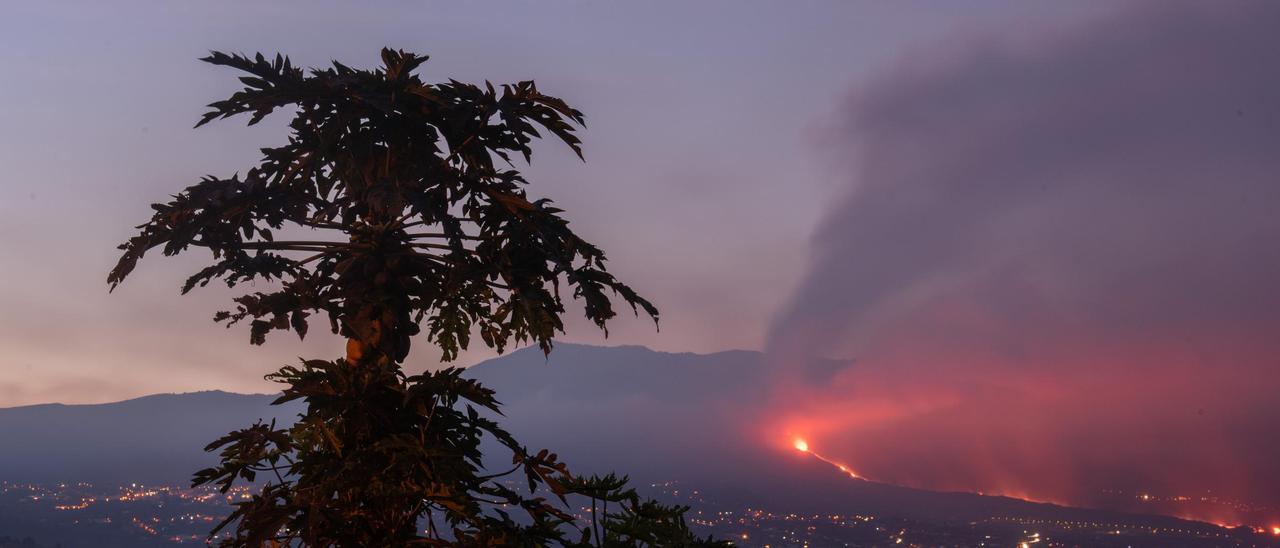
(147, 397)
(656, 415)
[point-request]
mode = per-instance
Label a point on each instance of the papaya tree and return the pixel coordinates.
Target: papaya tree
(394, 211)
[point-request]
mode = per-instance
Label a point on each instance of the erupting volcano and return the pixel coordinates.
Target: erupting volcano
(1053, 270)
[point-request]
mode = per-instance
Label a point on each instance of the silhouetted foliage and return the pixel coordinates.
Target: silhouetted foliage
(638, 522)
(429, 225)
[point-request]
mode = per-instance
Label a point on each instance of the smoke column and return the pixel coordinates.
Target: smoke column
(1055, 266)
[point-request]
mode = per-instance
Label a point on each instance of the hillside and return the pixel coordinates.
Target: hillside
(656, 416)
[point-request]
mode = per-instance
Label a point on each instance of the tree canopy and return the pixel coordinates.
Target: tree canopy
(421, 220)
(417, 180)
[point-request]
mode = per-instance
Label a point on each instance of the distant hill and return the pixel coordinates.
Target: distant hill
(157, 438)
(657, 416)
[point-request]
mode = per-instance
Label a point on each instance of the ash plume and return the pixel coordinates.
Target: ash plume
(1055, 265)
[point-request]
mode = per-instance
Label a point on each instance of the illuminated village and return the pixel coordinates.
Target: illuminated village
(159, 515)
(147, 514)
(163, 515)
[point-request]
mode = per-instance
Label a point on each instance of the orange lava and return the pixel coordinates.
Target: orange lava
(803, 447)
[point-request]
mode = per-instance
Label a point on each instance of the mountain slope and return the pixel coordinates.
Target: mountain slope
(157, 438)
(688, 417)
(656, 416)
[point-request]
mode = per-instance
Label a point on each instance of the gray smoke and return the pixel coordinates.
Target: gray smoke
(1076, 236)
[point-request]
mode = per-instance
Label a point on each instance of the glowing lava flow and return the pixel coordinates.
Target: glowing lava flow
(803, 447)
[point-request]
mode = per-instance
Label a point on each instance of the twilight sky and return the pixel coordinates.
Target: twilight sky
(709, 155)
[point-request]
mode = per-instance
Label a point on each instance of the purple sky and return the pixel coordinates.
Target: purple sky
(706, 162)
